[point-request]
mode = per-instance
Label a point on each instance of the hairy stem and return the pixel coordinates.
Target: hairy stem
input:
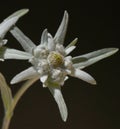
(6, 122)
(21, 91)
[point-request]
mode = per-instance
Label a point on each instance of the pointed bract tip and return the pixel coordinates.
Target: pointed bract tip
(18, 14)
(64, 119)
(115, 50)
(44, 37)
(66, 15)
(94, 82)
(21, 12)
(24, 11)
(45, 30)
(75, 41)
(65, 12)
(12, 82)
(112, 51)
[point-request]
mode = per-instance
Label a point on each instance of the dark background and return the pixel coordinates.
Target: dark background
(97, 25)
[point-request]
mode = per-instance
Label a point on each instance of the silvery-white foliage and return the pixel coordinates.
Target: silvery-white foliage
(10, 21)
(50, 60)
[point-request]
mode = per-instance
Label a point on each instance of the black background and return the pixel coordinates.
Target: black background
(97, 25)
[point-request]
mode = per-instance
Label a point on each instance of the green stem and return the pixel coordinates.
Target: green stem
(6, 122)
(21, 91)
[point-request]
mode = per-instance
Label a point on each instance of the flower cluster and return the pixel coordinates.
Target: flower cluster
(50, 60)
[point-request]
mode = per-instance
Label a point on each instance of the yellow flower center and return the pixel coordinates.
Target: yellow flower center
(55, 59)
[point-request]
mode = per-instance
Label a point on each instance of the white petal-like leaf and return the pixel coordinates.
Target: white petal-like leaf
(6, 26)
(72, 43)
(5, 93)
(7, 53)
(24, 75)
(25, 42)
(69, 50)
(18, 14)
(84, 76)
(56, 92)
(51, 43)
(10, 21)
(93, 57)
(44, 37)
(44, 78)
(61, 32)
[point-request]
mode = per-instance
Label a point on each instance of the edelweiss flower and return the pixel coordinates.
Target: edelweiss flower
(51, 62)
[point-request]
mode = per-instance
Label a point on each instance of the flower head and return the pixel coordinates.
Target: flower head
(51, 62)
